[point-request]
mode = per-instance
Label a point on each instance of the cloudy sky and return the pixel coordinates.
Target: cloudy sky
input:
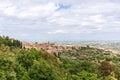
(60, 20)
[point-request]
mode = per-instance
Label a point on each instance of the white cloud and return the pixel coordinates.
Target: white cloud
(0, 31)
(38, 11)
(10, 11)
(76, 30)
(58, 32)
(24, 35)
(97, 18)
(27, 12)
(47, 16)
(4, 5)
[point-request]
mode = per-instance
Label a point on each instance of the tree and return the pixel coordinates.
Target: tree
(106, 68)
(83, 75)
(12, 43)
(7, 66)
(27, 57)
(42, 70)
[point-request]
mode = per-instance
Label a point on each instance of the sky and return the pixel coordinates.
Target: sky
(60, 20)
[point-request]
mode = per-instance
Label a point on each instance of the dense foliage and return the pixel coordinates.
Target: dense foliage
(85, 63)
(12, 43)
(26, 65)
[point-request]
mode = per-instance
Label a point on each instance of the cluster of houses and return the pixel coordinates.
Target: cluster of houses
(49, 47)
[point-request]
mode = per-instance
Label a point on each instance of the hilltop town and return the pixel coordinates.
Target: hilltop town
(49, 47)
